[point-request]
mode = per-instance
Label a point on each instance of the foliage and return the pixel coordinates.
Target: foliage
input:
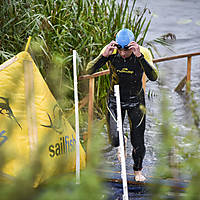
(178, 158)
(62, 186)
(58, 27)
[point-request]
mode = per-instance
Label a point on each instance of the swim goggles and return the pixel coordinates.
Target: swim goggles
(126, 47)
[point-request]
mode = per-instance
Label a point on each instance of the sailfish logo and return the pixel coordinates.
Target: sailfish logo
(7, 111)
(55, 121)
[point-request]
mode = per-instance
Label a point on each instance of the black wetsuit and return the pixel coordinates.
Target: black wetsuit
(128, 74)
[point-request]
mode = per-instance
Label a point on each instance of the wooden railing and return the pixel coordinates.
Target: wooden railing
(185, 81)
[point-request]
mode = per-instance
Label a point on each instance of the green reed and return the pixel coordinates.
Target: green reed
(179, 154)
(61, 26)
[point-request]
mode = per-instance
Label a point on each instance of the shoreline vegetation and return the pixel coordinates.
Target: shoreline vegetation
(57, 28)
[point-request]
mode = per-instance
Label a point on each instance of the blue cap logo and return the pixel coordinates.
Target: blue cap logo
(124, 37)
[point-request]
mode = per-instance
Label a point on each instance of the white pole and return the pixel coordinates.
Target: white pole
(121, 142)
(76, 120)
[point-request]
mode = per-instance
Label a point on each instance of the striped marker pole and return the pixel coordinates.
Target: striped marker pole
(121, 142)
(76, 119)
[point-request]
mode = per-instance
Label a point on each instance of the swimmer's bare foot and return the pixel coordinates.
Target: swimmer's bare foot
(139, 176)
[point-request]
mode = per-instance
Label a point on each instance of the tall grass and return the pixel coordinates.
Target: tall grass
(179, 154)
(58, 27)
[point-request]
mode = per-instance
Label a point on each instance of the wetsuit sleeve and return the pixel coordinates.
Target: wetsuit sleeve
(94, 65)
(146, 63)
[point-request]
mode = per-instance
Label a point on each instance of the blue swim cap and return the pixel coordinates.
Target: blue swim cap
(124, 37)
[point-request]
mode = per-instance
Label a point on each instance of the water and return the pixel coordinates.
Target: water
(182, 18)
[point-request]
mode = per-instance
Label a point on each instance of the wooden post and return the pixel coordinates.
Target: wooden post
(180, 86)
(144, 82)
(30, 106)
(90, 113)
(188, 73)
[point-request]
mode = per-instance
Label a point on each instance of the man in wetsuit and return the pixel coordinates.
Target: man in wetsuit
(128, 61)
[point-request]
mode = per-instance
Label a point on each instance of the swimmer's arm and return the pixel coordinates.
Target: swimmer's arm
(94, 65)
(146, 63)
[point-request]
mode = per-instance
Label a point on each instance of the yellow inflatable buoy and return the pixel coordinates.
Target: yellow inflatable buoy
(32, 125)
